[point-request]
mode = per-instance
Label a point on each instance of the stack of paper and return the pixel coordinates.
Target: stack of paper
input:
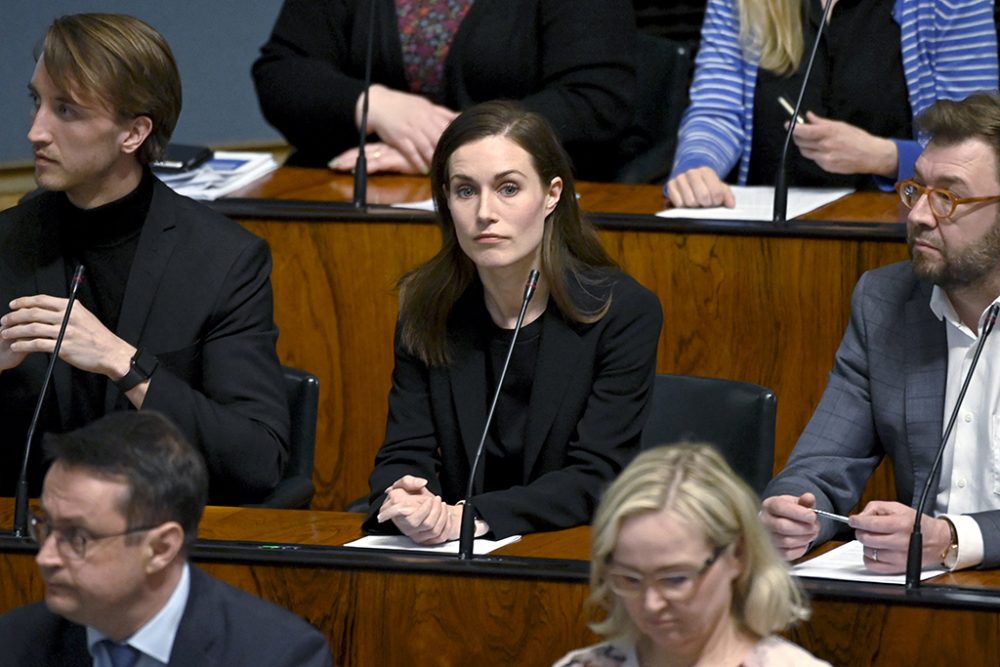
(757, 203)
(480, 546)
(224, 173)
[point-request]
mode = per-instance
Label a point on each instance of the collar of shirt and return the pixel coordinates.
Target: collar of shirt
(155, 639)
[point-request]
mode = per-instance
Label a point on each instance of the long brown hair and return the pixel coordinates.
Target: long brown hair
(570, 245)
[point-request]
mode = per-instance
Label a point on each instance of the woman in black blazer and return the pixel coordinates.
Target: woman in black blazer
(576, 394)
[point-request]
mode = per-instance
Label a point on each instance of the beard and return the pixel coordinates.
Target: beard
(958, 268)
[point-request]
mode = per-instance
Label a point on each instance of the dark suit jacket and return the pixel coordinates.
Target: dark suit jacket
(199, 298)
(885, 397)
(221, 627)
(589, 403)
(572, 61)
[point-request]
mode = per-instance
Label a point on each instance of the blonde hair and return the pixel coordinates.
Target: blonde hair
(773, 28)
(121, 63)
(696, 485)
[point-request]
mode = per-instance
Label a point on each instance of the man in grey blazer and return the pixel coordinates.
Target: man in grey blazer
(913, 330)
(119, 513)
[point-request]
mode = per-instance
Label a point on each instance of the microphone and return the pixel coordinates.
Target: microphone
(467, 532)
(914, 554)
(781, 178)
(21, 494)
(361, 166)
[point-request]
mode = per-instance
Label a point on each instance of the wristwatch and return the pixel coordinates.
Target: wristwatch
(950, 556)
(140, 369)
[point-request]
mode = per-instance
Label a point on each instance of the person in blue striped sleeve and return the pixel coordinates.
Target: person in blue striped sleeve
(880, 63)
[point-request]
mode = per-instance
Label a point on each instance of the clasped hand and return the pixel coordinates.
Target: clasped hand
(419, 514)
(33, 323)
(408, 126)
(883, 528)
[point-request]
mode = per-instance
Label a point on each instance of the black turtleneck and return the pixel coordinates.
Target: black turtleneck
(104, 239)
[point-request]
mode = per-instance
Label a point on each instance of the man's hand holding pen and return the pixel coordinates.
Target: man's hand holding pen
(792, 523)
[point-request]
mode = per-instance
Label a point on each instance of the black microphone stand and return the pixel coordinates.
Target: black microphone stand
(21, 494)
(781, 178)
(914, 553)
(361, 166)
(467, 531)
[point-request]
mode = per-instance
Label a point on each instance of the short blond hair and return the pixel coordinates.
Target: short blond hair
(121, 63)
(694, 483)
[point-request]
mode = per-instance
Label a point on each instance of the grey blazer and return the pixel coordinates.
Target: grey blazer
(885, 397)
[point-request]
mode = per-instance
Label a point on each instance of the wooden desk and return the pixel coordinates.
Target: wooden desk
(523, 605)
(741, 300)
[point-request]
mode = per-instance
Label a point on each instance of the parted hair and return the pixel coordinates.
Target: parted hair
(120, 63)
(166, 477)
(570, 246)
(696, 485)
(953, 121)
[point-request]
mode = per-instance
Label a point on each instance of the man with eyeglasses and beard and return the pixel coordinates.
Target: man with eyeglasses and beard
(913, 331)
(120, 509)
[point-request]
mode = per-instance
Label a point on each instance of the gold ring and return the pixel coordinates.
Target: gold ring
(377, 154)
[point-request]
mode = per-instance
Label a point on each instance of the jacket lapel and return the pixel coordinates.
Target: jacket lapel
(467, 376)
(197, 639)
(51, 279)
(156, 244)
(926, 367)
(558, 350)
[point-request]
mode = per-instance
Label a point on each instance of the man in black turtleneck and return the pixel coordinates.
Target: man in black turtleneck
(175, 310)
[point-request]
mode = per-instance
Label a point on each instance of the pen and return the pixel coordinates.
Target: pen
(830, 515)
(788, 107)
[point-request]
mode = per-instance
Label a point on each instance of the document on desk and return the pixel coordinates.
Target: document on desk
(846, 563)
(756, 203)
(480, 547)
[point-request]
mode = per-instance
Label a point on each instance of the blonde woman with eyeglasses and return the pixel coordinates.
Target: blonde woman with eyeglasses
(684, 571)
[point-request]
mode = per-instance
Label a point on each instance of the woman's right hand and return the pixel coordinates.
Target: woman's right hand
(700, 187)
(409, 123)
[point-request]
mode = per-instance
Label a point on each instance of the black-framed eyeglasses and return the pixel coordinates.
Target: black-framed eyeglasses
(941, 201)
(70, 542)
(674, 586)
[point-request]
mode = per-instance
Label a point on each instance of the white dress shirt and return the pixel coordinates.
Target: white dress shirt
(970, 467)
(155, 639)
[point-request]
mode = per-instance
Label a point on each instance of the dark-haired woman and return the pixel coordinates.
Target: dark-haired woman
(576, 396)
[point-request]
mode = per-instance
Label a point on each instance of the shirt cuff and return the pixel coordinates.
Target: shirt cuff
(970, 540)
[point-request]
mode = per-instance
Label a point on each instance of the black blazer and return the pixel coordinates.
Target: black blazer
(221, 627)
(572, 61)
(199, 298)
(589, 403)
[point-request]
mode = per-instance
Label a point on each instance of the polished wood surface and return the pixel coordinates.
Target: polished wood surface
(743, 301)
(524, 604)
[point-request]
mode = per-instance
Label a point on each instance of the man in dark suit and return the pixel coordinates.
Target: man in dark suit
(913, 331)
(175, 310)
(120, 510)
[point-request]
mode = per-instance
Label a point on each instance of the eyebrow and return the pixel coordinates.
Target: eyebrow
(497, 177)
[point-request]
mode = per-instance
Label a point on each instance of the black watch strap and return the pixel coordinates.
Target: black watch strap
(140, 369)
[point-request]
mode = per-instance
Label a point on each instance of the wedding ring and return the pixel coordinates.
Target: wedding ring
(875, 555)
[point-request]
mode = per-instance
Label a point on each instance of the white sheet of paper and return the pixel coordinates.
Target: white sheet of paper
(403, 543)
(846, 563)
(756, 203)
(425, 205)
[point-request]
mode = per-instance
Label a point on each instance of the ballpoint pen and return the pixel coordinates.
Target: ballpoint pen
(830, 515)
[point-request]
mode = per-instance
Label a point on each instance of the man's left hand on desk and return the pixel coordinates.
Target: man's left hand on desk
(884, 528)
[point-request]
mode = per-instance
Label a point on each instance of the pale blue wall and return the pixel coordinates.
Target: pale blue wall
(214, 41)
